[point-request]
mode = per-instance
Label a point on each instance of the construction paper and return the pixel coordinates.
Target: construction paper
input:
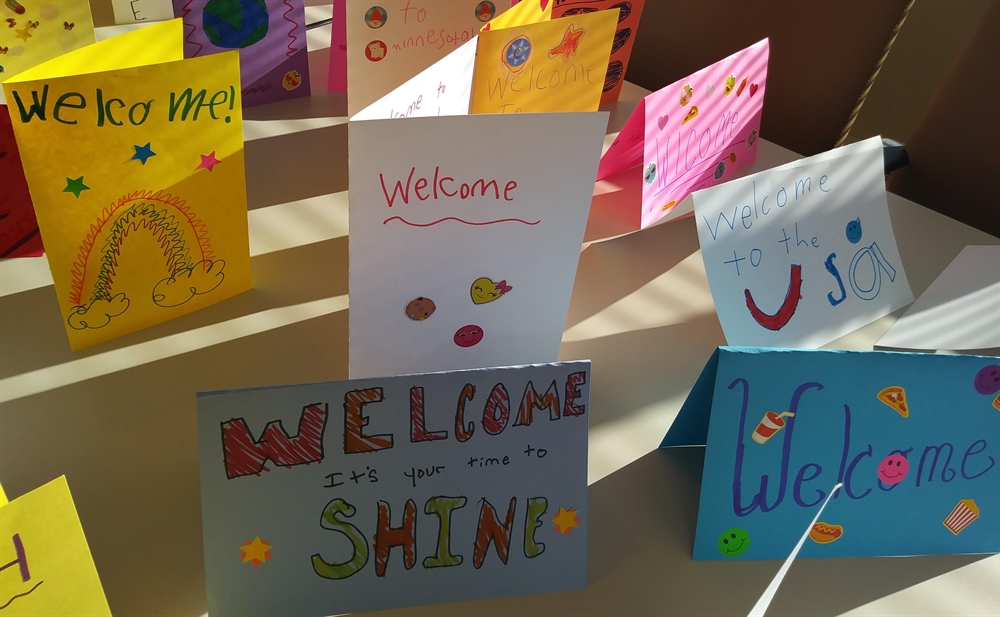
(142, 11)
(134, 157)
(337, 78)
(390, 41)
(695, 133)
(556, 65)
(34, 31)
(350, 496)
(960, 311)
(483, 235)
(269, 34)
(912, 437)
(45, 563)
(621, 49)
(19, 235)
(802, 254)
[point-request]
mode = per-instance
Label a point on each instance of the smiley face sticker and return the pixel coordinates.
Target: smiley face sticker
(734, 542)
(468, 336)
(893, 469)
(988, 380)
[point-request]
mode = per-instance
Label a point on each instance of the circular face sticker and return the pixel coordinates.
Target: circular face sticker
(853, 231)
(467, 336)
(988, 380)
(420, 308)
(720, 170)
(734, 542)
(292, 80)
(375, 51)
(485, 11)
(893, 469)
(751, 138)
(375, 17)
(516, 53)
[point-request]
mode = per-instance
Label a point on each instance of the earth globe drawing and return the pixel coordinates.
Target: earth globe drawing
(234, 24)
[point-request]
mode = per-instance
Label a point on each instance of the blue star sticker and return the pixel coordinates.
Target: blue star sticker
(142, 153)
(75, 186)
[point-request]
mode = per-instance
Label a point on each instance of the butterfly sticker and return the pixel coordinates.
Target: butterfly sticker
(11, 22)
(3, 50)
(68, 25)
(32, 24)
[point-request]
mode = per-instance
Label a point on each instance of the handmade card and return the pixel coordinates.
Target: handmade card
(483, 235)
(551, 65)
(350, 496)
(621, 49)
(19, 235)
(960, 311)
(692, 134)
(912, 437)
(269, 34)
(34, 31)
(802, 254)
(45, 563)
(390, 41)
(136, 172)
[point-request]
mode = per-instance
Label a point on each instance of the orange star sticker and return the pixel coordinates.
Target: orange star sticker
(256, 551)
(566, 520)
(23, 33)
(571, 40)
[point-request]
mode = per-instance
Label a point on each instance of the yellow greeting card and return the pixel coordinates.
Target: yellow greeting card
(134, 159)
(522, 14)
(45, 563)
(33, 31)
(552, 65)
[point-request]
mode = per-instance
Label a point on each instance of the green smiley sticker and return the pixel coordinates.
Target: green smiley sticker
(734, 542)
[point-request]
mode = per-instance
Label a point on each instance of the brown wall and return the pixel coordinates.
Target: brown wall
(822, 52)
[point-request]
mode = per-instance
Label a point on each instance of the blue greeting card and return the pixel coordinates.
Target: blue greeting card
(914, 438)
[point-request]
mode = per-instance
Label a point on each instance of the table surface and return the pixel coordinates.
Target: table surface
(119, 419)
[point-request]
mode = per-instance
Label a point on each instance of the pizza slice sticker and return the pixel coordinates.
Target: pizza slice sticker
(895, 397)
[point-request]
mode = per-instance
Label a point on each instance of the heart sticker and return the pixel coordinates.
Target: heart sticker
(709, 90)
(662, 121)
(753, 89)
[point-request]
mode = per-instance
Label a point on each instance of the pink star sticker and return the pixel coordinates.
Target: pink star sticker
(208, 161)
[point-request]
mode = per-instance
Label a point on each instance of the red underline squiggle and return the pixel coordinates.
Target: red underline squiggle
(291, 45)
(452, 218)
(187, 11)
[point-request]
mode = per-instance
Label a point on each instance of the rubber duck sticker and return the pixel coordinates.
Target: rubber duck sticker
(730, 84)
(375, 17)
(484, 290)
(485, 11)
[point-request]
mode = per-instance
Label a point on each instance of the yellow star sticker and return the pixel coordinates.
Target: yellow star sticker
(23, 33)
(566, 520)
(256, 551)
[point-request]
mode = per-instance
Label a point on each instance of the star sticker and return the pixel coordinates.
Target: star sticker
(23, 33)
(208, 161)
(256, 551)
(142, 153)
(571, 40)
(566, 520)
(75, 186)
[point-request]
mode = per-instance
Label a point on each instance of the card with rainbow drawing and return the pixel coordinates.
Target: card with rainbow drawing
(136, 172)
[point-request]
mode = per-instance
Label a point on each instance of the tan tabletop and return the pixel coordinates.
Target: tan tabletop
(118, 419)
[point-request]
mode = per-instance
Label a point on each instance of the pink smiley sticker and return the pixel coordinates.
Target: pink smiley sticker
(893, 469)
(467, 336)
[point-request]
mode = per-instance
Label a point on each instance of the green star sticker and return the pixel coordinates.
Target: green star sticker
(75, 186)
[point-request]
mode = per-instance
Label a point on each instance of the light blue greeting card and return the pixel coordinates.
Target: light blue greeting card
(914, 438)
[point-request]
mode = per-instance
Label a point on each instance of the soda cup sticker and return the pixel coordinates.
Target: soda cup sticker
(769, 425)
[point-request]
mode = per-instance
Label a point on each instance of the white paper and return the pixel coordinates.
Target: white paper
(823, 221)
(960, 311)
(141, 11)
(531, 470)
(518, 236)
(404, 37)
